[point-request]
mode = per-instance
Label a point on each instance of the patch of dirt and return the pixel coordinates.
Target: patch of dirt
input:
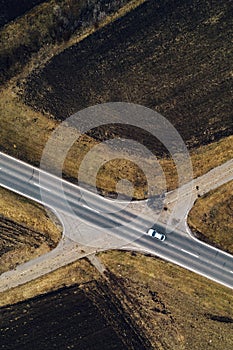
(48, 25)
(176, 308)
(147, 309)
(148, 303)
(172, 57)
(219, 318)
(86, 317)
(11, 9)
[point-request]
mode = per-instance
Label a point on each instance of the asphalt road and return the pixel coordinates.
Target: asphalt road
(98, 218)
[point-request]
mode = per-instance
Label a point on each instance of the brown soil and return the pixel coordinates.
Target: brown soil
(11, 9)
(143, 300)
(176, 308)
(172, 307)
(87, 316)
(71, 320)
(47, 25)
(171, 57)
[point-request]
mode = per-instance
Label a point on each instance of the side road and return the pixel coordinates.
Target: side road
(68, 251)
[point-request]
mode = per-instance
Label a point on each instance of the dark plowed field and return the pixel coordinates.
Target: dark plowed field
(172, 56)
(68, 319)
(19, 243)
(11, 9)
(13, 236)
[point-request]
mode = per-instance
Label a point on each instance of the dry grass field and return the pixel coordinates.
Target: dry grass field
(211, 217)
(172, 307)
(26, 231)
(177, 308)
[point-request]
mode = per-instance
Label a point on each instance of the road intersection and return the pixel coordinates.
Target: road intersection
(92, 223)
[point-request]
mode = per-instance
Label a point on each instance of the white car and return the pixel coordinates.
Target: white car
(153, 233)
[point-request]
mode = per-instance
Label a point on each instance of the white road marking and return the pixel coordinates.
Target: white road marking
(186, 251)
(172, 245)
(44, 188)
(55, 261)
(86, 206)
